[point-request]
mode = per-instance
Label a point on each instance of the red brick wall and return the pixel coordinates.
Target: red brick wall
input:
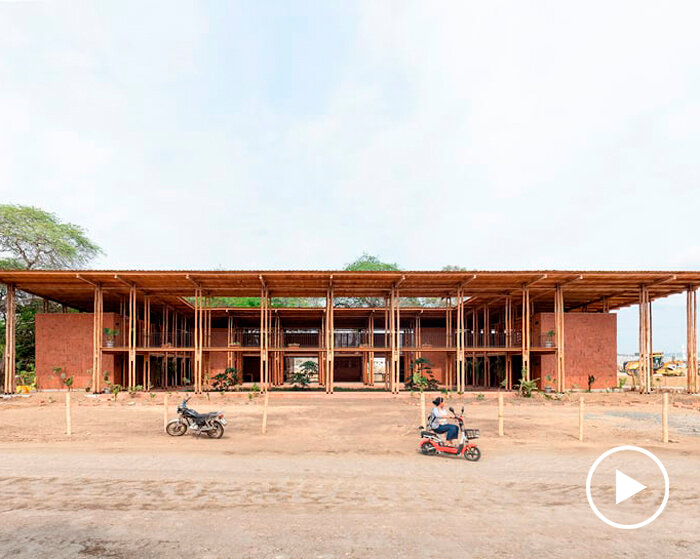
(65, 340)
(590, 346)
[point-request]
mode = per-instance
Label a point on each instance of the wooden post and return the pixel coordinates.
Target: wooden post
(371, 353)
(559, 318)
(264, 421)
(69, 430)
(526, 332)
(500, 414)
(645, 341)
(692, 340)
(10, 335)
(132, 337)
(422, 409)
(580, 418)
(330, 340)
(664, 419)
(165, 412)
(98, 325)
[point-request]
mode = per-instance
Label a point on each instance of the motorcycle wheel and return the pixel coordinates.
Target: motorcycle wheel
(176, 428)
(428, 449)
(217, 431)
(472, 454)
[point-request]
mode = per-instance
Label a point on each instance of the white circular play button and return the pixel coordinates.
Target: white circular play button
(638, 481)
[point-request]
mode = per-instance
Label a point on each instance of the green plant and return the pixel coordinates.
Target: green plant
(134, 389)
(153, 396)
(422, 376)
(527, 387)
(110, 333)
(550, 334)
(255, 389)
(65, 379)
(226, 380)
(88, 388)
(621, 383)
(28, 376)
(479, 397)
(114, 389)
(301, 378)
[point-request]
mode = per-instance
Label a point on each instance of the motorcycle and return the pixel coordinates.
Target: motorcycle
(211, 424)
(433, 444)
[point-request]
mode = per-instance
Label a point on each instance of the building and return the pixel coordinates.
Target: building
(478, 329)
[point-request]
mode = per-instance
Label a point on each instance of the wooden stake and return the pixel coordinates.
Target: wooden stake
(69, 430)
(580, 418)
(664, 419)
(422, 409)
(500, 414)
(264, 421)
(165, 412)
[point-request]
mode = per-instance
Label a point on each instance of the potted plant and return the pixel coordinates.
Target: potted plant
(549, 342)
(110, 335)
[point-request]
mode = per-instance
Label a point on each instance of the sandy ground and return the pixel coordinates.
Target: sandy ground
(334, 476)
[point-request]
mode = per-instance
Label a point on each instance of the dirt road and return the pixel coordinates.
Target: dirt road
(333, 477)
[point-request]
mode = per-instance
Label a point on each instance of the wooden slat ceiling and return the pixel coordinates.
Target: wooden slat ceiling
(584, 290)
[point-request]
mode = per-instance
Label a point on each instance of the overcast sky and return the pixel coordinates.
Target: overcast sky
(491, 135)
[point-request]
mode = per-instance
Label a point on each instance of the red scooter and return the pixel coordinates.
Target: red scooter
(433, 444)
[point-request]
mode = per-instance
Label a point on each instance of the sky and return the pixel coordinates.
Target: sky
(263, 135)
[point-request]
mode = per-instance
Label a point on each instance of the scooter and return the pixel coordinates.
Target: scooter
(433, 444)
(211, 424)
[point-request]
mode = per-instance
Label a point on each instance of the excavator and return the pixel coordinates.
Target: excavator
(632, 367)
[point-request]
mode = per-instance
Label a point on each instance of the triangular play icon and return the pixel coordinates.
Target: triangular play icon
(626, 487)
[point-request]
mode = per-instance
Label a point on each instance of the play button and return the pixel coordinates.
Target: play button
(626, 487)
(621, 500)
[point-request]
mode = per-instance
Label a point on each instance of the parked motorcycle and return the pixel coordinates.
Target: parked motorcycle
(433, 444)
(211, 424)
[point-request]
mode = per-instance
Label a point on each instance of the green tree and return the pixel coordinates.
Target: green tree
(368, 262)
(33, 238)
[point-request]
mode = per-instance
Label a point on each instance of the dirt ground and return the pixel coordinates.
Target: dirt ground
(335, 476)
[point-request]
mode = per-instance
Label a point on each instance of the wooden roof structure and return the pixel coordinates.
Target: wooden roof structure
(584, 290)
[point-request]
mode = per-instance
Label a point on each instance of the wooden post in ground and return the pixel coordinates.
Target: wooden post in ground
(98, 325)
(422, 409)
(132, 337)
(526, 333)
(10, 335)
(264, 420)
(692, 340)
(500, 414)
(664, 419)
(69, 429)
(165, 412)
(371, 353)
(559, 317)
(580, 418)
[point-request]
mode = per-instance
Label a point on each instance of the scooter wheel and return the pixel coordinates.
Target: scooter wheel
(428, 449)
(472, 454)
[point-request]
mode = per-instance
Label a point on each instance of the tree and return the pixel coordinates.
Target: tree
(33, 238)
(365, 263)
(368, 262)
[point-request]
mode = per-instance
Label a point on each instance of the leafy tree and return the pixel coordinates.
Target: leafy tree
(368, 262)
(302, 378)
(33, 238)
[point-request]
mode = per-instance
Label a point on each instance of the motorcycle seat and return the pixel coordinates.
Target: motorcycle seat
(204, 416)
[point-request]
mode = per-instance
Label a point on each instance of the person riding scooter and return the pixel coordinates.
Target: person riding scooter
(437, 421)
